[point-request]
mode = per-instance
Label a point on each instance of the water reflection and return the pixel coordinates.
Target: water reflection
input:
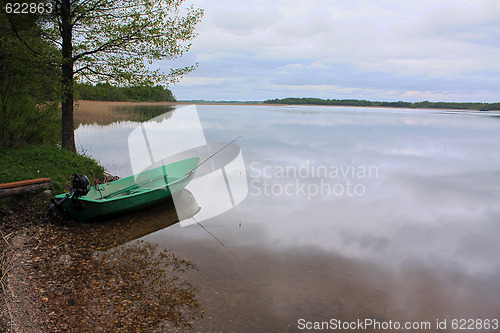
(437, 184)
(280, 287)
(420, 242)
(140, 113)
(103, 128)
(106, 113)
(120, 230)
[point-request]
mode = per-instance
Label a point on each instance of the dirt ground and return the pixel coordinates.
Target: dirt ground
(50, 283)
(22, 305)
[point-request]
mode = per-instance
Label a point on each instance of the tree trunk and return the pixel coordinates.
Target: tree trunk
(68, 128)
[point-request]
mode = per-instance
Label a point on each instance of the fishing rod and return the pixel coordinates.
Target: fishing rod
(209, 157)
(211, 234)
(189, 173)
(201, 225)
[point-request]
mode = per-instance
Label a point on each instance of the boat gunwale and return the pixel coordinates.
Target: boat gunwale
(164, 187)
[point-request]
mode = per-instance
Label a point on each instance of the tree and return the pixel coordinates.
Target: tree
(115, 41)
(28, 95)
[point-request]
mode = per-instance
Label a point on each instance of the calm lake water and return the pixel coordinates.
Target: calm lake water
(388, 215)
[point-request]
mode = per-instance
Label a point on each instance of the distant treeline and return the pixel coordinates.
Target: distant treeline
(107, 92)
(399, 104)
(205, 101)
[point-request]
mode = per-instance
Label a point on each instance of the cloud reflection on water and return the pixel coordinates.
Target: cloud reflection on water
(438, 182)
(427, 225)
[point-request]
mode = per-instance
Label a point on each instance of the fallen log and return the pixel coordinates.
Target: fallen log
(24, 187)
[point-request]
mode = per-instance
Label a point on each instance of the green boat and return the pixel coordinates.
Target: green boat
(137, 192)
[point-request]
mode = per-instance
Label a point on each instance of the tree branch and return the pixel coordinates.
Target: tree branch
(84, 11)
(113, 43)
(12, 25)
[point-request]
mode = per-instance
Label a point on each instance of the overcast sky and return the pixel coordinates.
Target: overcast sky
(387, 50)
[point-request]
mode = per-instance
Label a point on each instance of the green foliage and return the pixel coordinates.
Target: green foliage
(399, 104)
(25, 122)
(107, 92)
(117, 41)
(94, 41)
(28, 81)
(30, 162)
(204, 101)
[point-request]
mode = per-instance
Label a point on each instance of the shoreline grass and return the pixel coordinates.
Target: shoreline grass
(30, 162)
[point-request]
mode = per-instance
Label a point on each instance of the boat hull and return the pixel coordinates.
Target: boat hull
(132, 193)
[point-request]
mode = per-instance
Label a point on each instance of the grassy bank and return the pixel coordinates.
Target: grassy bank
(30, 162)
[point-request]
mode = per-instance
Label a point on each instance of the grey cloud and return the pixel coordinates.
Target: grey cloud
(397, 50)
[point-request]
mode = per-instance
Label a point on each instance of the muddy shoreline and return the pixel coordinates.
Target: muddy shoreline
(60, 276)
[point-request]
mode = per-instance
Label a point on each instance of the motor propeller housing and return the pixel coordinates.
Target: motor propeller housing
(80, 187)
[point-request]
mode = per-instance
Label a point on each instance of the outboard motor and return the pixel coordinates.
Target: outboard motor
(80, 186)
